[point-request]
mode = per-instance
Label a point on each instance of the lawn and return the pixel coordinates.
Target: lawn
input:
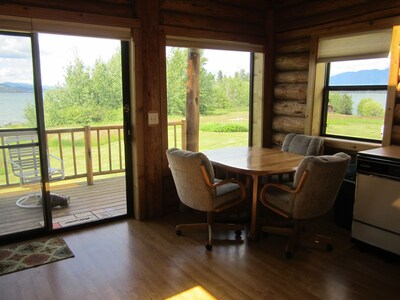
(212, 140)
(365, 127)
(344, 125)
(355, 126)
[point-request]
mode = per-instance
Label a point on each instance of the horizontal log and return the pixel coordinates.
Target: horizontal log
(308, 9)
(295, 46)
(121, 8)
(291, 77)
(291, 91)
(288, 124)
(292, 62)
(217, 9)
(290, 108)
(67, 16)
(345, 12)
(381, 19)
(209, 23)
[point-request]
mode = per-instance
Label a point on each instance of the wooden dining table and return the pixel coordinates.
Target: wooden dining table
(254, 162)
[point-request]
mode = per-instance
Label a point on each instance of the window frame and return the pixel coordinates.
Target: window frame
(324, 113)
(254, 134)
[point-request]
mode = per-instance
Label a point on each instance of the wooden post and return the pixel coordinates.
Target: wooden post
(88, 156)
(193, 99)
(183, 135)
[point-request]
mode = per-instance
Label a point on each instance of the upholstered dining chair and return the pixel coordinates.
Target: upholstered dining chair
(312, 194)
(198, 189)
(303, 144)
(300, 144)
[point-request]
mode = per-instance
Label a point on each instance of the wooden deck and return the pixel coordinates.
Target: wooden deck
(105, 199)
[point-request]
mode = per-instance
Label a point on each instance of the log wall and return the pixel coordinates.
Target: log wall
(240, 20)
(285, 27)
(295, 25)
(115, 8)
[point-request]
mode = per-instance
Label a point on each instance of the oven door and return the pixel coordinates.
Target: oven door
(377, 212)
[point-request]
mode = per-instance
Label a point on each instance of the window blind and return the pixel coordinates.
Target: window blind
(372, 44)
(8, 23)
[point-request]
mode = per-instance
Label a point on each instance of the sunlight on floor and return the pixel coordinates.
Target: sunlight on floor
(197, 292)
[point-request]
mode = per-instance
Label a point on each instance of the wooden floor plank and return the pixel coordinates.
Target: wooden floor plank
(129, 259)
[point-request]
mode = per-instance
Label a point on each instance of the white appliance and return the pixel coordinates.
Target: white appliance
(376, 215)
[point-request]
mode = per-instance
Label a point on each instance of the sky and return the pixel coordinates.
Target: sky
(58, 51)
(358, 65)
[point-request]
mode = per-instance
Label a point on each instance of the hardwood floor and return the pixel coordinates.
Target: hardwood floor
(146, 260)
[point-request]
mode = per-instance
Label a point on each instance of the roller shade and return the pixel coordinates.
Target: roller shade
(8, 23)
(372, 44)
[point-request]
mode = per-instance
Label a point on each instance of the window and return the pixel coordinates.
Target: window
(355, 99)
(351, 85)
(224, 107)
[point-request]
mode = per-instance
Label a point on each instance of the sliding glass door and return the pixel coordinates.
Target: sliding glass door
(64, 108)
(20, 163)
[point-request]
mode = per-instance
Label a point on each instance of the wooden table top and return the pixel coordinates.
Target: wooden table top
(254, 160)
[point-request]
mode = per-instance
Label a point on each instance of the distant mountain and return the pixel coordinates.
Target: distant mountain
(15, 87)
(11, 87)
(364, 77)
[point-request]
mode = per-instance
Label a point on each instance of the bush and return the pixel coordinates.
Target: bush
(341, 103)
(369, 108)
(229, 127)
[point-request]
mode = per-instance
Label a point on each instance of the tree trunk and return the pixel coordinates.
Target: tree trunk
(193, 99)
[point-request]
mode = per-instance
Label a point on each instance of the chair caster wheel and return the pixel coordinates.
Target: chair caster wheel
(178, 232)
(329, 247)
(289, 255)
(209, 247)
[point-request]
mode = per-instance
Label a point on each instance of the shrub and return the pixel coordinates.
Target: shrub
(369, 108)
(228, 127)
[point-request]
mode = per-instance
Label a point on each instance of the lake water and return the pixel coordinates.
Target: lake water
(378, 96)
(12, 104)
(12, 107)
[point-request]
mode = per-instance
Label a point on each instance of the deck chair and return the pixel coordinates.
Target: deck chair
(197, 188)
(25, 164)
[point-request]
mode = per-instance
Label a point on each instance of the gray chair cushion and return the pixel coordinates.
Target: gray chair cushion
(303, 144)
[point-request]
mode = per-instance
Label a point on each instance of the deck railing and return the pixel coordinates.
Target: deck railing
(177, 139)
(89, 151)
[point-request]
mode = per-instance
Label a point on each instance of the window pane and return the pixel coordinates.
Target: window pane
(359, 72)
(358, 114)
(224, 97)
(17, 100)
(357, 98)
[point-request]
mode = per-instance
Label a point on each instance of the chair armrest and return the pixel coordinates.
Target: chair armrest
(222, 182)
(285, 187)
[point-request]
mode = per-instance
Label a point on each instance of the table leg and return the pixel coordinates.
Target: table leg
(253, 223)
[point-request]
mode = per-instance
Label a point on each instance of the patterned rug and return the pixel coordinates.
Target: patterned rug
(17, 257)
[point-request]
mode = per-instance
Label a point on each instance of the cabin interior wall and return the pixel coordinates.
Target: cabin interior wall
(288, 26)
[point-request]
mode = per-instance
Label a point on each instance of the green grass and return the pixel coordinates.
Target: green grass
(354, 126)
(217, 130)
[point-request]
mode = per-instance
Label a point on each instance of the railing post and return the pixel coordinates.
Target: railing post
(184, 144)
(88, 156)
